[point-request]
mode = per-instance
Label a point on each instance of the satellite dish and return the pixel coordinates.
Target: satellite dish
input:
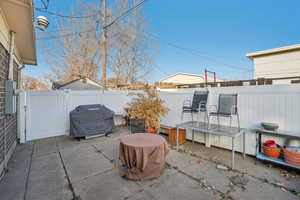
(42, 23)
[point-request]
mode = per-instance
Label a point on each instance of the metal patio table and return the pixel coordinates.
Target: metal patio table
(214, 129)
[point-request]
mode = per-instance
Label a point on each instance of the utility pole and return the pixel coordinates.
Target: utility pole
(104, 40)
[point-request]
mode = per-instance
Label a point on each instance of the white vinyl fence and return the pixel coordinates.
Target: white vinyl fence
(47, 112)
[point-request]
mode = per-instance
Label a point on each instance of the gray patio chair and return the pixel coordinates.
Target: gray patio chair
(197, 105)
(227, 107)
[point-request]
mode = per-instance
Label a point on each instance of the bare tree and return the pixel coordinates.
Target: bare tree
(76, 51)
(31, 83)
(131, 53)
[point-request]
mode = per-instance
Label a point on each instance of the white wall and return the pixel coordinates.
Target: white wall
(48, 111)
(285, 64)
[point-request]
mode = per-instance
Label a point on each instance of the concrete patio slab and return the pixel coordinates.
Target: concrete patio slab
(84, 161)
(209, 174)
(144, 195)
(178, 187)
(16, 177)
(63, 168)
(46, 178)
(256, 189)
(108, 186)
(45, 146)
(109, 148)
(148, 183)
(180, 160)
(250, 165)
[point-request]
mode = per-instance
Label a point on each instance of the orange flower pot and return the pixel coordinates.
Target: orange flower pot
(291, 157)
(152, 131)
(272, 152)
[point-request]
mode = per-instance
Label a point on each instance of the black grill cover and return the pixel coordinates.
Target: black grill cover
(90, 120)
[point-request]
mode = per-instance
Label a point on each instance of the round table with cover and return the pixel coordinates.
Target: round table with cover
(142, 156)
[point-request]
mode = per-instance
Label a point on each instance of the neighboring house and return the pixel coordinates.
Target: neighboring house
(280, 62)
(17, 48)
(184, 78)
(78, 84)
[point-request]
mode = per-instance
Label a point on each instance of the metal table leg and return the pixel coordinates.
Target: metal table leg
(232, 155)
(244, 144)
(259, 143)
(193, 133)
(177, 130)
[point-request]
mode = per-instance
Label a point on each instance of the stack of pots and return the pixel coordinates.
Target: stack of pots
(292, 155)
(271, 149)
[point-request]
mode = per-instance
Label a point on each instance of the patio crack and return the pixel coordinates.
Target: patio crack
(75, 197)
(28, 173)
(202, 183)
(101, 152)
(264, 180)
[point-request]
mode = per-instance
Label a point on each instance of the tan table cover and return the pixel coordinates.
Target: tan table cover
(143, 156)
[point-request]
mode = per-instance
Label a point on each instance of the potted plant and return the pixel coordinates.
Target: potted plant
(147, 106)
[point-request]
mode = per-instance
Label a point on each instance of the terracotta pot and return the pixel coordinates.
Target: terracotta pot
(291, 157)
(272, 152)
(152, 130)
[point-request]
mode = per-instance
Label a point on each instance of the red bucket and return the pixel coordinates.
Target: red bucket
(270, 143)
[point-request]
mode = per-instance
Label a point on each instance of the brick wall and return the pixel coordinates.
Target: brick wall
(8, 123)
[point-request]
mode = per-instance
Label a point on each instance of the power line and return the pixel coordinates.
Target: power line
(125, 13)
(67, 16)
(194, 52)
(110, 24)
(65, 35)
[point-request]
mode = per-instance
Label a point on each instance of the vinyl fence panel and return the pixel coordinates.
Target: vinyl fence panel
(47, 112)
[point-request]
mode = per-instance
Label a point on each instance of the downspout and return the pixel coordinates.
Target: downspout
(11, 57)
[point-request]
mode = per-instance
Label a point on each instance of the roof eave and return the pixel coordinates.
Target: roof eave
(273, 51)
(16, 23)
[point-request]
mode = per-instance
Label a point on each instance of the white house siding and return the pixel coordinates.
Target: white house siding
(283, 64)
(184, 79)
(4, 33)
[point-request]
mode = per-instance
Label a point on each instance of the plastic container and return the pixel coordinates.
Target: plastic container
(272, 152)
(292, 155)
(270, 143)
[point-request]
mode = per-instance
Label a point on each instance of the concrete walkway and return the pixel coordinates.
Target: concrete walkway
(62, 168)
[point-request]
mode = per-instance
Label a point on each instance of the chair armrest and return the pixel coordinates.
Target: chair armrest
(234, 109)
(187, 103)
(211, 107)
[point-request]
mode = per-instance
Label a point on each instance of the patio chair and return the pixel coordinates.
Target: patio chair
(197, 105)
(136, 125)
(227, 108)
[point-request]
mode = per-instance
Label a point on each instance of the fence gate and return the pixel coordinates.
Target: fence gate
(46, 113)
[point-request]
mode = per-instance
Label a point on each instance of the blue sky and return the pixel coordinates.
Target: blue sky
(219, 33)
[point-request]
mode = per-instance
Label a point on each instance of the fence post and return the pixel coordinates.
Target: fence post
(67, 98)
(208, 136)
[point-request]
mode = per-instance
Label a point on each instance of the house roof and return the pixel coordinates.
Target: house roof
(180, 73)
(18, 15)
(273, 51)
(57, 85)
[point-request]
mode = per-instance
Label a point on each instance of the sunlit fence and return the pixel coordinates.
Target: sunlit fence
(47, 112)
